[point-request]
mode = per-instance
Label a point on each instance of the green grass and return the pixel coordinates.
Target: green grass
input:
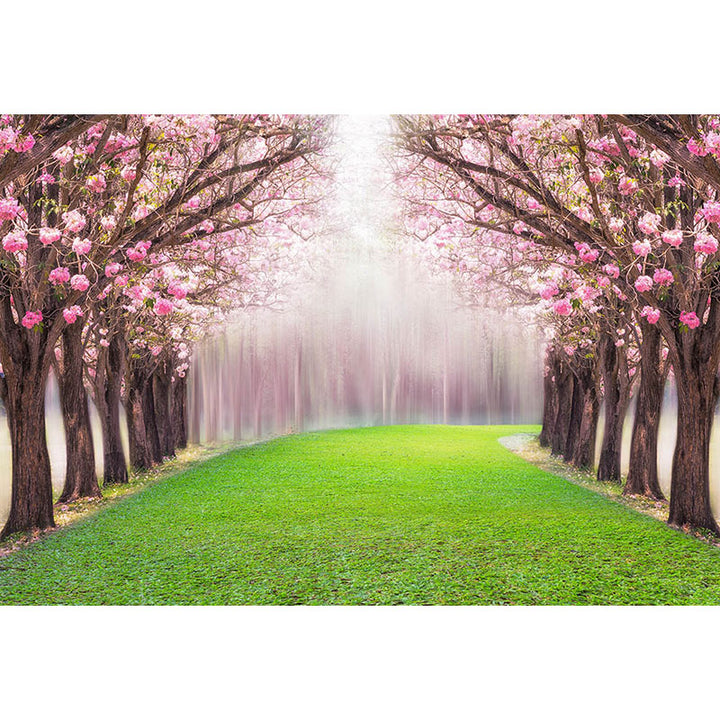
(393, 515)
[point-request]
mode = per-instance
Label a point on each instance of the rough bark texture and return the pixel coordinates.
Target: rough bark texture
(151, 428)
(80, 471)
(616, 394)
(576, 411)
(162, 388)
(31, 505)
(643, 471)
(564, 385)
(584, 450)
(115, 466)
(697, 388)
(178, 412)
(141, 457)
(549, 397)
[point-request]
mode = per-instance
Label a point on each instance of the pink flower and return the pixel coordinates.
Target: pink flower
(15, 242)
(178, 290)
(32, 319)
(596, 175)
(649, 223)
(9, 209)
(74, 221)
(105, 343)
(49, 235)
(59, 275)
(140, 212)
(112, 269)
(612, 270)
(122, 280)
(705, 244)
(663, 276)
(108, 223)
(676, 181)
(642, 248)
(562, 307)
(193, 203)
(644, 283)
(27, 143)
(586, 254)
(696, 148)
(163, 307)
(46, 177)
(79, 282)
(156, 350)
(690, 319)
(71, 314)
(711, 212)
(651, 314)
(81, 247)
(603, 282)
(96, 183)
(616, 224)
(628, 186)
(673, 237)
(128, 174)
(658, 158)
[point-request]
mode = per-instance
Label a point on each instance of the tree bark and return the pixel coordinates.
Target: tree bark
(550, 398)
(141, 457)
(584, 451)
(178, 414)
(31, 505)
(643, 471)
(80, 471)
(697, 388)
(115, 466)
(162, 387)
(564, 386)
(616, 394)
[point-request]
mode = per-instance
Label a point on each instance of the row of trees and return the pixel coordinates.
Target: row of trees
(608, 227)
(124, 240)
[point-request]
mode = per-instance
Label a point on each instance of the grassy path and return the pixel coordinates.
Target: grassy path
(398, 515)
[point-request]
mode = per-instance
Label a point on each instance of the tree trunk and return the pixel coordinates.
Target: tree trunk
(613, 366)
(549, 397)
(141, 457)
(115, 467)
(80, 471)
(149, 416)
(162, 388)
(697, 388)
(178, 414)
(31, 505)
(576, 414)
(564, 386)
(643, 471)
(584, 454)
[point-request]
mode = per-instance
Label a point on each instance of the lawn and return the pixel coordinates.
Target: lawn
(393, 515)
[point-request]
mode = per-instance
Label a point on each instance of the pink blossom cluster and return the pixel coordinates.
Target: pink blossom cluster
(74, 221)
(705, 244)
(690, 319)
(32, 318)
(49, 235)
(59, 275)
(651, 314)
(8, 209)
(72, 313)
(15, 242)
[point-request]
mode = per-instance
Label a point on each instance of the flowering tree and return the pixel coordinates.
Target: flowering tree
(85, 221)
(631, 215)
